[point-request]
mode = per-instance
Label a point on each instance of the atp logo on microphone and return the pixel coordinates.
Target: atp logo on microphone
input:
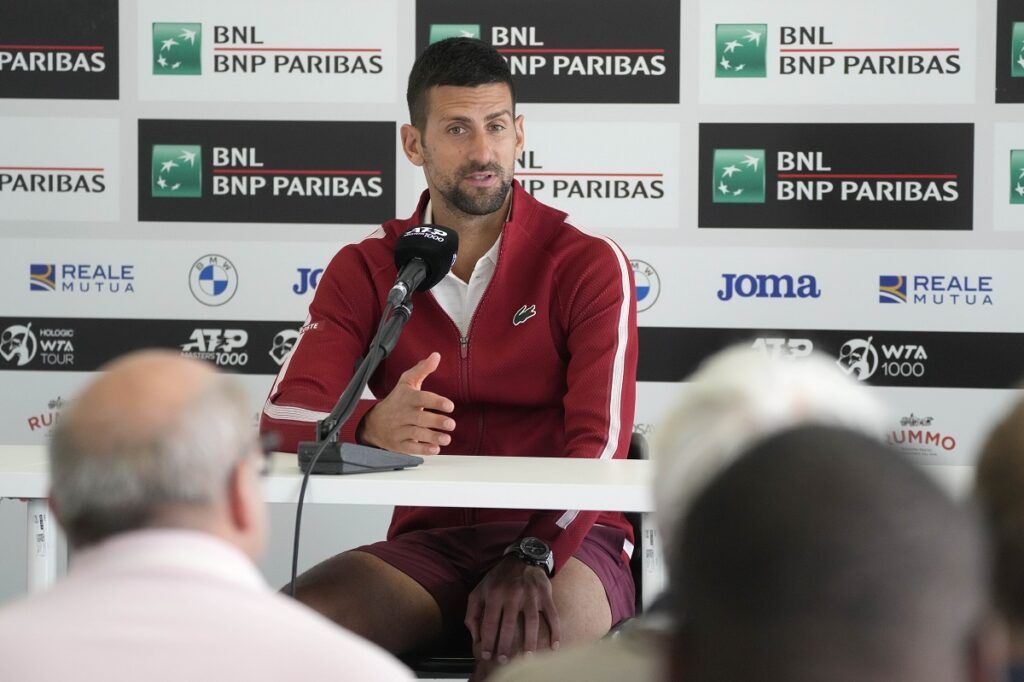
(434, 233)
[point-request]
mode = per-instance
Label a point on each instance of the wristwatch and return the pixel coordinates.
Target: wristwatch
(534, 552)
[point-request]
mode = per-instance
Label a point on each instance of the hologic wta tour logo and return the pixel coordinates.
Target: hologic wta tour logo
(177, 49)
(837, 176)
(1017, 176)
(741, 50)
(739, 176)
(177, 171)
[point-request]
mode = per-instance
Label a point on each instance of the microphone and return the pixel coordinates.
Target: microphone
(423, 256)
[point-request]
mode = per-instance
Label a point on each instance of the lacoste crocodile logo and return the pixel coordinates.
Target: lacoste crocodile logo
(523, 314)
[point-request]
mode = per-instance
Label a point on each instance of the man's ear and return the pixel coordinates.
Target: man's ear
(519, 125)
(412, 144)
(243, 496)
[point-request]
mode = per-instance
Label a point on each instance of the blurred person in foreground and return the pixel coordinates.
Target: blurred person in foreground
(155, 479)
(823, 555)
(736, 397)
(999, 491)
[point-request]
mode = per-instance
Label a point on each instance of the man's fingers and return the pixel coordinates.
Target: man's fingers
(489, 629)
(437, 422)
(531, 627)
(551, 616)
(474, 609)
(414, 447)
(507, 633)
(433, 401)
(428, 436)
(415, 375)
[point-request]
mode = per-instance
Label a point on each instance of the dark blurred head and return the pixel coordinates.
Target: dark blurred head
(999, 489)
(463, 62)
(821, 554)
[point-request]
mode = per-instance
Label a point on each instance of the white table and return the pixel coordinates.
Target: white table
(442, 481)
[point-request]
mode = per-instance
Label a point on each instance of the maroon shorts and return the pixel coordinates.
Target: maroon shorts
(449, 562)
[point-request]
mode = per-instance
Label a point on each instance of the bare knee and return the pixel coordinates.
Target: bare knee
(373, 599)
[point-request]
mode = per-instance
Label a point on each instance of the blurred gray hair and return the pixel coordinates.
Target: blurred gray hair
(737, 397)
(111, 483)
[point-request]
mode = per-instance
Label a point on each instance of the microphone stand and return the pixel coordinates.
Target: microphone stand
(325, 455)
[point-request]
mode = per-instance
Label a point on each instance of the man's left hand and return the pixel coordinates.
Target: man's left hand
(511, 591)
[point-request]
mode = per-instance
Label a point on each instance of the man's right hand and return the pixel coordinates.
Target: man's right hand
(404, 420)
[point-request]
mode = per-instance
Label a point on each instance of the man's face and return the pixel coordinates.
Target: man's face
(468, 146)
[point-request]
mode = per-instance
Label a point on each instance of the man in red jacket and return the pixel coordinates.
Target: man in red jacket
(528, 347)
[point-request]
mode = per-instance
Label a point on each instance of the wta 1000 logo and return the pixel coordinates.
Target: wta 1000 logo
(861, 359)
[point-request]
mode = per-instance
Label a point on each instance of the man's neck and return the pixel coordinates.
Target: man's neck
(477, 234)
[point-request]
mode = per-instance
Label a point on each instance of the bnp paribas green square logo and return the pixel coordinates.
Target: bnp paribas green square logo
(739, 176)
(741, 50)
(442, 31)
(1017, 67)
(177, 49)
(177, 170)
(1017, 176)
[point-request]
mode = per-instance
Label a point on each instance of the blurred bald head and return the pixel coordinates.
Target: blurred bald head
(821, 554)
(153, 440)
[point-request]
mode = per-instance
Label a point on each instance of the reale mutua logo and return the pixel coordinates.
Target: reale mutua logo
(82, 278)
(177, 49)
(936, 290)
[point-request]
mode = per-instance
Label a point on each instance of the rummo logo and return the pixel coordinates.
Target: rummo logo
(213, 280)
(741, 50)
(921, 436)
(776, 347)
(936, 290)
(739, 176)
(54, 49)
(768, 286)
(648, 284)
(555, 57)
(308, 279)
(45, 419)
(861, 359)
(282, 345)
(177, 171)
(838, 176)
(267, 171)
(222, 347)
(177, 49)
(82, 278)
(1017, 176)
(21, 345)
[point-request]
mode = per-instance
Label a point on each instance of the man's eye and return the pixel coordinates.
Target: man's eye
(497, 127)
(456, 130)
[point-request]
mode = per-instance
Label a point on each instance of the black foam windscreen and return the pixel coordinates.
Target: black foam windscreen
(435, 245)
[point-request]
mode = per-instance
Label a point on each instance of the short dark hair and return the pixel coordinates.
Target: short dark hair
(463, 62)
(823, 554)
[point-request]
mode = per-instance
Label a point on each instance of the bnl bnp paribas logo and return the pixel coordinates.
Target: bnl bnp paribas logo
(739, 176)
(177, 49)
(177, 171)
(741, 50)
(1017, 56)
(444, 31)
(1017, 175)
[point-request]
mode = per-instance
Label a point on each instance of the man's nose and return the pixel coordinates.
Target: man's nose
(480, 149)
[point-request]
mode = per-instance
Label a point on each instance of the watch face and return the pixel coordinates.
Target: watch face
(534, 548)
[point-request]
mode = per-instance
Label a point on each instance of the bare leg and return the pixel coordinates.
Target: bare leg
(373, 599)
(582, 609)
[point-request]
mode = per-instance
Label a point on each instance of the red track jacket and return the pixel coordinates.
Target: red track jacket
(559, 383)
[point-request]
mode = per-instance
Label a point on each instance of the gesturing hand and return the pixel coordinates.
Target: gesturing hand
(510, 592)
(403, 421)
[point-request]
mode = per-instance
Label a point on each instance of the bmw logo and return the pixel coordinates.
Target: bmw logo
(213, 280)
(648, 284)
